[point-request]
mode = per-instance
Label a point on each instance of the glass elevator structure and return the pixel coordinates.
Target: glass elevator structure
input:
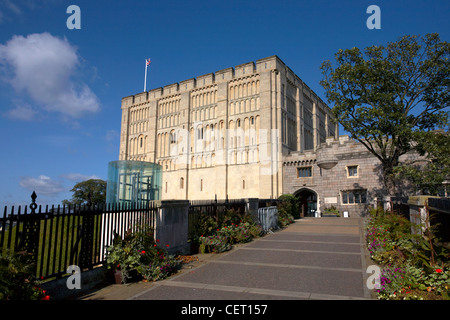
(133, 182)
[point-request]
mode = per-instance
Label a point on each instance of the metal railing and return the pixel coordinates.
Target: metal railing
(57, 237)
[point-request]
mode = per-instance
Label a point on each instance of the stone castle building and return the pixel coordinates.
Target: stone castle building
(252, 131)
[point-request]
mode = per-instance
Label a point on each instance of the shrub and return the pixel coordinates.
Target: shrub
(226, 224)
(214, 244)
(288, 209)
(17, 280)
(244, 230)
(157, 265)
(140, 253)
(240, 233)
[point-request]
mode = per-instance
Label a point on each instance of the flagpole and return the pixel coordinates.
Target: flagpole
(145, 79)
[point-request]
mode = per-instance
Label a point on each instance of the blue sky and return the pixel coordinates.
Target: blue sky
(61, 89)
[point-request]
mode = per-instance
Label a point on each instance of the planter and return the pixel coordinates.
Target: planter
(115, 276)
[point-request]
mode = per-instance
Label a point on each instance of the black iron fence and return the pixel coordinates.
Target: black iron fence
(57, 237)
(216, 209)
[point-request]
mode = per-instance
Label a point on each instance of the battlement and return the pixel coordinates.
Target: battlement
(242, 71)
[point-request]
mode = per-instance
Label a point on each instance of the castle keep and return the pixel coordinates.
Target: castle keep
(252, 131)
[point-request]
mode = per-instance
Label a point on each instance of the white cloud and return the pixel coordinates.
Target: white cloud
(23, 112)
(78, 177)
(42, 66)
(42, 185)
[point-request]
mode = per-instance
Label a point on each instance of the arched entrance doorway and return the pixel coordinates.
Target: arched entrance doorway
(307, 200)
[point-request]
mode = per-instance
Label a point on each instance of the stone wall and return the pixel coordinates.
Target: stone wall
(330, 176)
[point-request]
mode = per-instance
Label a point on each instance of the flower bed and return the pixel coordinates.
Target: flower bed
(139, 256)
(412, 266)
(223, 239)
(17, 280)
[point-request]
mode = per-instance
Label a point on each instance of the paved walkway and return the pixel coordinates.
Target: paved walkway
(310, 259)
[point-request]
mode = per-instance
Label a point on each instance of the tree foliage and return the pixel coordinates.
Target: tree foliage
(428, 173)
(386, 94)
(90, 193)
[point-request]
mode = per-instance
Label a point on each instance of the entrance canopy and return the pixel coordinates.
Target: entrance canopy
(133, 182)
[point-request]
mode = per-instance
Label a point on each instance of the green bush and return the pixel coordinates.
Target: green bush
(17, 280)
(236, 228)
(208, 225)
(138, 253)
(288, 208)
(240, 233)
(214, 244)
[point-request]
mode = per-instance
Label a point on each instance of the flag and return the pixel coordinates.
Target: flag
(147, 61)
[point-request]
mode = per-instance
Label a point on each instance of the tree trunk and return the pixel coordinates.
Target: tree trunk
(389, 179)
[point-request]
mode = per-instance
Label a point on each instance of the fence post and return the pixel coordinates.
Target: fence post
(251, 207)
(172, 226)
(85, 259)
(31, 228)
(418, 215)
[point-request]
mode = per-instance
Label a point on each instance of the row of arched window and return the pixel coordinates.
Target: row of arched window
(244, 105)
(137, 127)
(209, 137)
(139, 114)
(288, 130)
(205, 113)
(244, 87)
(138, 145)
(209, 159)
(169, 121)
(204, 97)
(169, 105)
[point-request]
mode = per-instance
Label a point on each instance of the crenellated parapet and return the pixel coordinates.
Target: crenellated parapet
(236, 74)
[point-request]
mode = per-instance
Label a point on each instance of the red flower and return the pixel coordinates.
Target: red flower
(142, 252)
(167, 245)
(46, 298)
(438, 270)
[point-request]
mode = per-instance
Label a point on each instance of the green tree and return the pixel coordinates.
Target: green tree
(90, 193)
(383, 96)
(428, 173)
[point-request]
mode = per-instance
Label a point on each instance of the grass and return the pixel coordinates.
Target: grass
(58, 242)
